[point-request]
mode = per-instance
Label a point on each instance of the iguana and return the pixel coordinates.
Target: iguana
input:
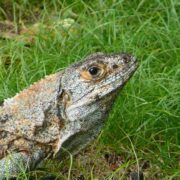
(66, 109)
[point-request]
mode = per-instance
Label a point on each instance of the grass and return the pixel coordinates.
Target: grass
(144, 123)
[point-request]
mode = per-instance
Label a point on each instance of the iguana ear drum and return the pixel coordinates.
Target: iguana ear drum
(65, 98)
(94, 72)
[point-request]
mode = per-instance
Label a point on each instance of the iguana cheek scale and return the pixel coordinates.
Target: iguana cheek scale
(65, 110)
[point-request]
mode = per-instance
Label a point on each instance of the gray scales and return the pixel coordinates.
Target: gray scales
(66, 109)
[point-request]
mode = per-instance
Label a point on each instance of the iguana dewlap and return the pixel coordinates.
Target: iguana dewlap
(66, 109)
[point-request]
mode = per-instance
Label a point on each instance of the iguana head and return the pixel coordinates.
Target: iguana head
(90, 86)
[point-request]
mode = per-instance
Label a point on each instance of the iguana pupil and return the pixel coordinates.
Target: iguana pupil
(94, 70)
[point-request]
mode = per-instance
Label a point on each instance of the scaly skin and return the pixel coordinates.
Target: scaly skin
(66, 109)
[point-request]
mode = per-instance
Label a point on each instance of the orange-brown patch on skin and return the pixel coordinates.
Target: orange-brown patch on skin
(35, 88)
(22, 145)
(88, 77)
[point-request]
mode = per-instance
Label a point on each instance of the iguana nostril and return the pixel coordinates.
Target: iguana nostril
(126, 58)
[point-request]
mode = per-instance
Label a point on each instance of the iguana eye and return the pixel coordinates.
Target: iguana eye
(94, 71)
